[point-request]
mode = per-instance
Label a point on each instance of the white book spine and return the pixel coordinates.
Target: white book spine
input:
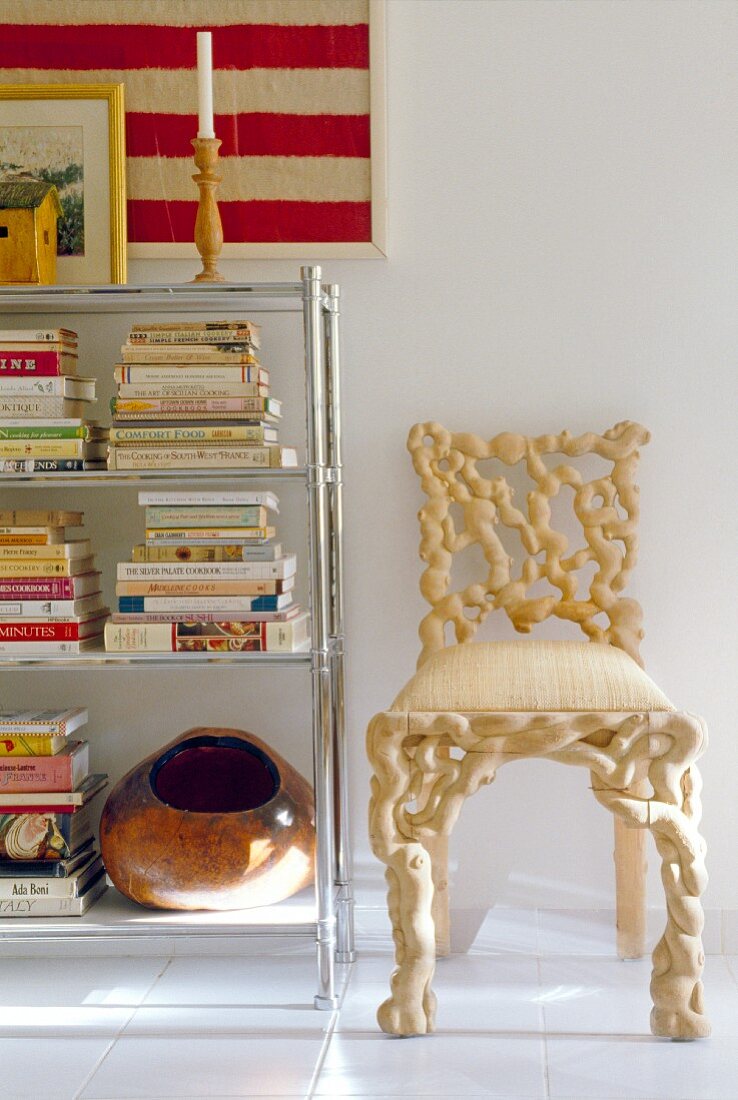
(266, 500)
(181, 570)
(53, 907)
(37, 649)
(289, 636)
(43, 724)
(196, 458)
(46, 609)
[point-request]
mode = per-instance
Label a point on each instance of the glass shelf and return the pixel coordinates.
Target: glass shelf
(262, 297)
(93, 658)
(114, 916)
(91, 478)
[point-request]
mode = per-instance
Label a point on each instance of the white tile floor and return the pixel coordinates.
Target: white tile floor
(536, 1009)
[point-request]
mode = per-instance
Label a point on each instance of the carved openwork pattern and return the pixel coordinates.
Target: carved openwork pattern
(606, 507)
(418, 789)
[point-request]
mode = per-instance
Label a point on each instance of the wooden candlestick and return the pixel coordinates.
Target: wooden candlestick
(208, 228)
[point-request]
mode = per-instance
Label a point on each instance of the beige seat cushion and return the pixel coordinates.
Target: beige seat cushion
(527, 676)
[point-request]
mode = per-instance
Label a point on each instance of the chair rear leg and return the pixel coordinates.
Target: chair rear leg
(437, 849)
(630, 885)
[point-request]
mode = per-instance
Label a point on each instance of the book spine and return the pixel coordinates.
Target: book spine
(62, 772)
(208, 334)
(48, 609)
(43, 721)
(68, 830)
(36, 363)
(39, 632)
(221, 605)
(256, 571)
(42, 448)
(48, 868)
(228, 552)
(34, 723)
(25, 542)
(251, 515)
(133, 373)
(162, 638)
(31, 744)
(37, 336)
(41, 465)
(238, 433)
(192, 587)
(80, 431)
(187, 355)
(289, 636)
(273, 635)
(187, 390)
(35, 534)
(33, 889)
(209, 498)
(175, 637)
(173, 535)
(36, 407)
(63, 567)
(144, 418)
(60, 550)
(257, 405)
(28, 384)
(201, 616)
(189, 458)
(51, 648)
(53, 907)
(51, 588)
(39, 518)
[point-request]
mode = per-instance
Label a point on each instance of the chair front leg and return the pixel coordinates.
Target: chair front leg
(679, 959)
(672, 814)
(411, 1008)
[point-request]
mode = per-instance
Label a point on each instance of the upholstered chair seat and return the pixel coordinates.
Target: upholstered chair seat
(530, 676)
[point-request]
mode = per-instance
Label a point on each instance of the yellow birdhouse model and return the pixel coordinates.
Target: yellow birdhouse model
(28, 214)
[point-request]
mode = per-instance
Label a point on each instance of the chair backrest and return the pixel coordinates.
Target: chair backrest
(606, 507)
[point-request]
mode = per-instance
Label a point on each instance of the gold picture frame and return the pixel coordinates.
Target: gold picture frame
(97, 112)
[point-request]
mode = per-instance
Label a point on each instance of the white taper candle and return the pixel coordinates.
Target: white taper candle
(205, 84)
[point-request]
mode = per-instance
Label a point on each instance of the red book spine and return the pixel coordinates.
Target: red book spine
(24, 363)
(36, 773)
(39, 632)
(54, 588)
(13, 808)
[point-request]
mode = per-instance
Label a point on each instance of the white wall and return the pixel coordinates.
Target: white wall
(563, 253)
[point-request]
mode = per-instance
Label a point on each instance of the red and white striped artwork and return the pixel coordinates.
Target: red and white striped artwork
(297, 107)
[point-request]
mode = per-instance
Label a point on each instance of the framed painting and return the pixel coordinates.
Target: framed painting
(299, 99)
(72, 135)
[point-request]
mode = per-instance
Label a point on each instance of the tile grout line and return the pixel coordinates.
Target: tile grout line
(330, 1030)
(120, 1031)
(544, 1037)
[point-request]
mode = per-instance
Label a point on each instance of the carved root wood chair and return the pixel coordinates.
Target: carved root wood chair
(470, 708)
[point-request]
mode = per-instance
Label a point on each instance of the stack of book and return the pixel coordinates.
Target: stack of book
(50, 597)
(44, 423)
(49, 865)
(208, 578)
(194, 396)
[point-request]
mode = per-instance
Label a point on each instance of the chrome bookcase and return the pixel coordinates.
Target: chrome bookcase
(330, 919)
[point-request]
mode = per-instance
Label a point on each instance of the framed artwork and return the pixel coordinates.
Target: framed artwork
(72, 135)
(299, 99)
